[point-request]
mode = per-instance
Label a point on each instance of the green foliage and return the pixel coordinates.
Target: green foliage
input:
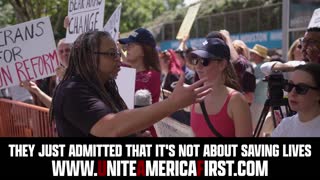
(134, 14)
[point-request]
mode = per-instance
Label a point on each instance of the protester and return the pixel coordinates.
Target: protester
(170, 70)
(182, 54)
(244, 70)
(87, 102)
(40, 95)
(143, 56)
(310, 45)
(227, 109)
(259, 55)
(304, 98)
(295, 52)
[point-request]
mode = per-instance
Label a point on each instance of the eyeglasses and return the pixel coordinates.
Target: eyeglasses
(300, 89)
(111, 54)
(204, 61)
(304, 41)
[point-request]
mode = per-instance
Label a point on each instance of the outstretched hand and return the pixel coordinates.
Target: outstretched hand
(184, 96)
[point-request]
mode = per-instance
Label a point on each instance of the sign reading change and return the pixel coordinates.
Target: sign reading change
(27, 52)
(84, 16)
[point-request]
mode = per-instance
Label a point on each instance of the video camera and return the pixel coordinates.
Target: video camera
(276, 83)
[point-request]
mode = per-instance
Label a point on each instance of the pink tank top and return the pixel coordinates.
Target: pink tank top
(221, 122)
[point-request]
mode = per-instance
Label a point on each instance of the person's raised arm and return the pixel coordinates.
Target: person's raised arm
(233, 53)
(33, 88)
(268, 67)
(131, 121)
(183, 43)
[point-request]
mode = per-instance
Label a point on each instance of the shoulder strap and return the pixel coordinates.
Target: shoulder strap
(206, 117)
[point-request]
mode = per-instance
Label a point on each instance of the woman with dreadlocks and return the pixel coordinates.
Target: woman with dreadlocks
(87, 101)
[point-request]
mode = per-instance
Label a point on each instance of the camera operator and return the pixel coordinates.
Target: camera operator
(305, 100)
(310, 45)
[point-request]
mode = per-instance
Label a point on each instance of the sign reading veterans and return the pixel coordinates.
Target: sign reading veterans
(84, 15)
(188, 21)
(27, 52)
(113, 24)
(315, 20)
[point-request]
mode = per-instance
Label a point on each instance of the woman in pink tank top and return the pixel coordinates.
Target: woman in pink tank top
(227, 109)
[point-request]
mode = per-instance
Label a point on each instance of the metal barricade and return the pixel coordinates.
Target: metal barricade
(18, 119)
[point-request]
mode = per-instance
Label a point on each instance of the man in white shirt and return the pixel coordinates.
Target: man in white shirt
(310, 45)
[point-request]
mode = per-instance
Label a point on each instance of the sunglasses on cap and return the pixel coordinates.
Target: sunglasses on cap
(300, 89)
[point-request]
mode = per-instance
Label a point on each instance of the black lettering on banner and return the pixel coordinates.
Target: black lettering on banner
(39, 24)
(21, 34)
(10, 54)
(84, 23)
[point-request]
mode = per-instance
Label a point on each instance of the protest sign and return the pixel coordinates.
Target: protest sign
(126, 81)
(188, 21)
(113, 24)
(84, 16)
(27, 52)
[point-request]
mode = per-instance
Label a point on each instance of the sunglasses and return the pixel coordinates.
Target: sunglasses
(111, 54)
(304, 42)
(300, 89)
(203, 61)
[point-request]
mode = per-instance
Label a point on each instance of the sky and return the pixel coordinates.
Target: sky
(188, 2)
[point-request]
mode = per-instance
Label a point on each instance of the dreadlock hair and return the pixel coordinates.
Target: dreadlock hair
(84, 63)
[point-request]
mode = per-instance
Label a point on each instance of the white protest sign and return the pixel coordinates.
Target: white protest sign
(169, 127)
(315, 19)
(188, 21)
(126, 81)
(84, 15)
(27, 52)
(113, 24)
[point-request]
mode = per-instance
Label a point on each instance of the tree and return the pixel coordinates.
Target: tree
(134, 13)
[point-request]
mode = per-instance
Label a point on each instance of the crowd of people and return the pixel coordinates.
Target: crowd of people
(221, 82)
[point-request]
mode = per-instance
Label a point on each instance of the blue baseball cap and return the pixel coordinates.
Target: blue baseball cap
(140, 35)
(213, 48)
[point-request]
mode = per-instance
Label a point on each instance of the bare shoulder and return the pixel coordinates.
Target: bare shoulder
(236, 95)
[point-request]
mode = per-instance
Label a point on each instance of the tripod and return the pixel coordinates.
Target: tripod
(274, 104)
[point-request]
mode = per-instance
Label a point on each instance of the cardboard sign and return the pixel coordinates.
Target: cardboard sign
(315, 19)
(84, 16)
(27, 52)
(126, 81)
(188, 21)
(169, 127)
(113, 24)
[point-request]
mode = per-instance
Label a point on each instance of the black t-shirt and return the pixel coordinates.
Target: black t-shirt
(77, 107)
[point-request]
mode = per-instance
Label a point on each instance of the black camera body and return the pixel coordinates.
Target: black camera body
(276, 83)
